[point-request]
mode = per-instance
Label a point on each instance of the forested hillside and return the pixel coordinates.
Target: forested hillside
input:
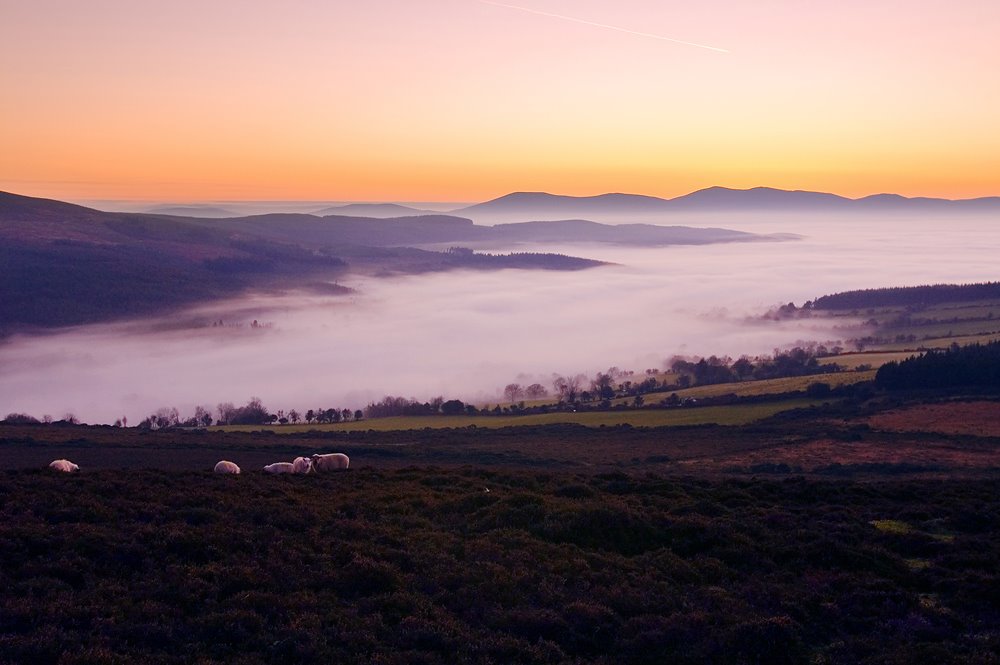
(975, 365)
(932, 294)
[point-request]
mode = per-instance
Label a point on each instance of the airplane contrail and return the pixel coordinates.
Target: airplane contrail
(603, 25)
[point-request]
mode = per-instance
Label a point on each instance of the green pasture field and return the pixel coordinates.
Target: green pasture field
(940, 343)
(973, 317)
(763, 387)
(876, 359)
(738, 414)
(977, 310)
(961, 309)
(946, 329)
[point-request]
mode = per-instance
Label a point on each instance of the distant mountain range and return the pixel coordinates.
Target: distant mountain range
(616, 208)
(523, 206)
(64, 264)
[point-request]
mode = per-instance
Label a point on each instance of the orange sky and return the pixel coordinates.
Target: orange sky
(461, 100)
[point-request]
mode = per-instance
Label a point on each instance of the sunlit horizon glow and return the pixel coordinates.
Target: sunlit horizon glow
(458, 100)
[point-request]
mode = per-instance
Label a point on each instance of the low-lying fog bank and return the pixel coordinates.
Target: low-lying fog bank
(467, 334)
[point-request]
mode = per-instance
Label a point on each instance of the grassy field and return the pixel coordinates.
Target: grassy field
(943, 329)
(975, 309)
(935, 326)
(759, 388)
(838, 439)
(874, 358)
(739, 414)
(939, 343)
(980, 310)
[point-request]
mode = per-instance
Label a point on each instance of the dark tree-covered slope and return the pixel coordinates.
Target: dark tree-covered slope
(905, 296)
(975, 365)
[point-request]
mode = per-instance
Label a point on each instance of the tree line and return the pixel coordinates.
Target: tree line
(252, 413)
(570, 391)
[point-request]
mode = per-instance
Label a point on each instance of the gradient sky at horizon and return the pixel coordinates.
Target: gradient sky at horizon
(461, 100)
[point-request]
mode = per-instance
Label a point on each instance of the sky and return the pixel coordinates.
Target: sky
(465, 100)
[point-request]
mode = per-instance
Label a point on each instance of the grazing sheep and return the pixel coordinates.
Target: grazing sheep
(302, 465)
(331, 462)
(227, 467)
(63, 465)
(280, 467)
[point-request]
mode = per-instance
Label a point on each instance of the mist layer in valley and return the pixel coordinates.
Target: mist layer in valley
(466, 334)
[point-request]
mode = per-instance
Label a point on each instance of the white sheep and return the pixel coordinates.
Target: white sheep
(227, 467)
(63, 465)
(280, 467)
(302, 465)
(331, 462)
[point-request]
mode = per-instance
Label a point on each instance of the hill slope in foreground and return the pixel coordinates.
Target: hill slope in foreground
(530, 545)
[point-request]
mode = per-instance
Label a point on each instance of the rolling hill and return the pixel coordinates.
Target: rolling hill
(378, 210)
(64, 264)
(191, 211)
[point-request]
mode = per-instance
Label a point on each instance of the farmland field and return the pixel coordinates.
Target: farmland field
(722, 415)
(945, 329)
(940, 343)
(766, 386)
(876, 359)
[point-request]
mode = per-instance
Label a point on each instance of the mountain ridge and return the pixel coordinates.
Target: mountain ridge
(718, 199)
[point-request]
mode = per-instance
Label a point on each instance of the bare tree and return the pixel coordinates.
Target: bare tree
(512, 391)
(226, 412)
(536, 391)
(602, 385)
(573, 386)
(167, 417)
(202, 416)
(561, 386)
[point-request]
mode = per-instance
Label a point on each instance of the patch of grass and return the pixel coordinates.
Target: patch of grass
(944, 329)
(940, 342)
(917, 564)
(738, 414)
(875, 359)
(896, 527)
